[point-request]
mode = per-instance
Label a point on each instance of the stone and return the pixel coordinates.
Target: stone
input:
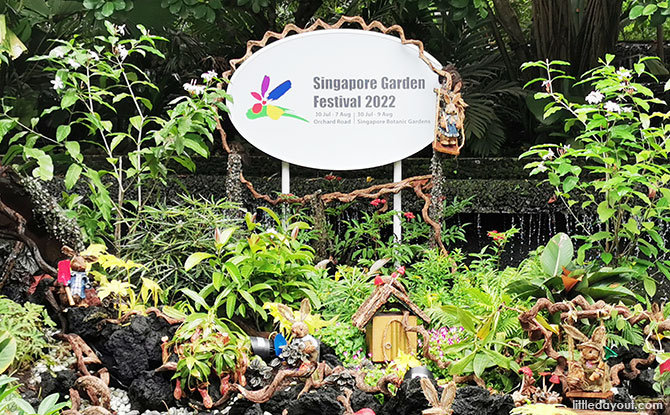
(151, 391)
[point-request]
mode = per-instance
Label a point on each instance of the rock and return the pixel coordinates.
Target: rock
(327, 354)
(360, 400)
(60, 383)
(477, 400)
(151, 391)
(320, 401)
(85, 321)
(244, 407)
(281, 400)
(409, 400)
(643, 384)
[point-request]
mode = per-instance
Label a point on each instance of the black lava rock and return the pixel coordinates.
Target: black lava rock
(643, 384)
(360, 400)
(244, 407)
(281, 399)
(151, 391)
(409, 400)
(320, 401)
(60, 382)
(127, 351)
(477, 400)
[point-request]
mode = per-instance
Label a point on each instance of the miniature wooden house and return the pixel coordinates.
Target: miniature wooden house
(385, 335)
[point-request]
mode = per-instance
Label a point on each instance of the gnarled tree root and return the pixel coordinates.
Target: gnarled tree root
(282, 377)
(442, 364)
(634, 369)
(84, 354)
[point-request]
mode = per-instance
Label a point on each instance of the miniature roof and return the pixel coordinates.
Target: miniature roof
(381, 296)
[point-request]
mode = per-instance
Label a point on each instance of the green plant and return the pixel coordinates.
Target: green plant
(662, 374)
(93, 80)
(345, 292)
(25, 324)
(10, 401)
(490, 338)
(369, 238)
(268, 266)
(205, 345)
(103, 9)
(561, 279)
(347, 341)
(617, 164)
(168, 233)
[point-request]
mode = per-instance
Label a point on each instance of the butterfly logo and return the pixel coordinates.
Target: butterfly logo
(264, 108)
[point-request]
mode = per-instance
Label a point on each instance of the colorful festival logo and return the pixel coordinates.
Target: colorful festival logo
(263, 108)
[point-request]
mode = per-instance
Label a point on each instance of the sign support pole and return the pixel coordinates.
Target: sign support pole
(285, 178)
(397, 202)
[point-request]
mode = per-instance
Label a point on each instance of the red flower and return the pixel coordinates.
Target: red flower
(379, 280)
(376, 202)
(401, 270)
(383, 201)
(409, 215)
(526, 371)
(365, 411)
(665, 366)
(330, 177)
(555, 379)
(338, 178)
(394, 275)
(545, 373)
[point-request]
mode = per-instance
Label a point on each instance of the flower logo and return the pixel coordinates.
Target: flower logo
(264, 108)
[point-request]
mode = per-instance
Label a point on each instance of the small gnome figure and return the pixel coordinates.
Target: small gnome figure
(450, 113)
(72, 274)
(590, 373)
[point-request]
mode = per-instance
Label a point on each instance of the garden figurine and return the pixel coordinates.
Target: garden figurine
(450, 114)
(301, 338)
(590, 373)
(441, 405)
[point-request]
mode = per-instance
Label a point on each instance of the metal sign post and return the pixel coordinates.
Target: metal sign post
(397, 202)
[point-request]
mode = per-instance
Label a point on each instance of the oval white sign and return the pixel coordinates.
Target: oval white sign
(340, 99)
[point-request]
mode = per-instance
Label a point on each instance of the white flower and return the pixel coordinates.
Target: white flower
(57, 52)
(550, 155)
(623, 73)
(594, 97)
(121, 29)
(73, 63)
(626, 109)
(193, 88)
(57, 84)
(612, 107)
(541, 167)
(122, 52)
(94, 55)
(566, 147)
(208, 76)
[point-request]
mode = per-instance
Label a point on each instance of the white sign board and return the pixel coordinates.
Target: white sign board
(340, 99)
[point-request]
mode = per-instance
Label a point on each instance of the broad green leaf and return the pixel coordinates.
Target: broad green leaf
(62, 132)
(557, 254)
(7, 352)
(604, 211)
(72, 176)
(196, 258)
(195, 297)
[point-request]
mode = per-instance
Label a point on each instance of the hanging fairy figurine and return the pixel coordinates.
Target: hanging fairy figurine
(450, 113)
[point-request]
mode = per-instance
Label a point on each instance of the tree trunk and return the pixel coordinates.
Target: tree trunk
(598, 33)
(553, 30)
(508, 20)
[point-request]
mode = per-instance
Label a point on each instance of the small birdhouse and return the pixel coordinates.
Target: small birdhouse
(381, 317)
